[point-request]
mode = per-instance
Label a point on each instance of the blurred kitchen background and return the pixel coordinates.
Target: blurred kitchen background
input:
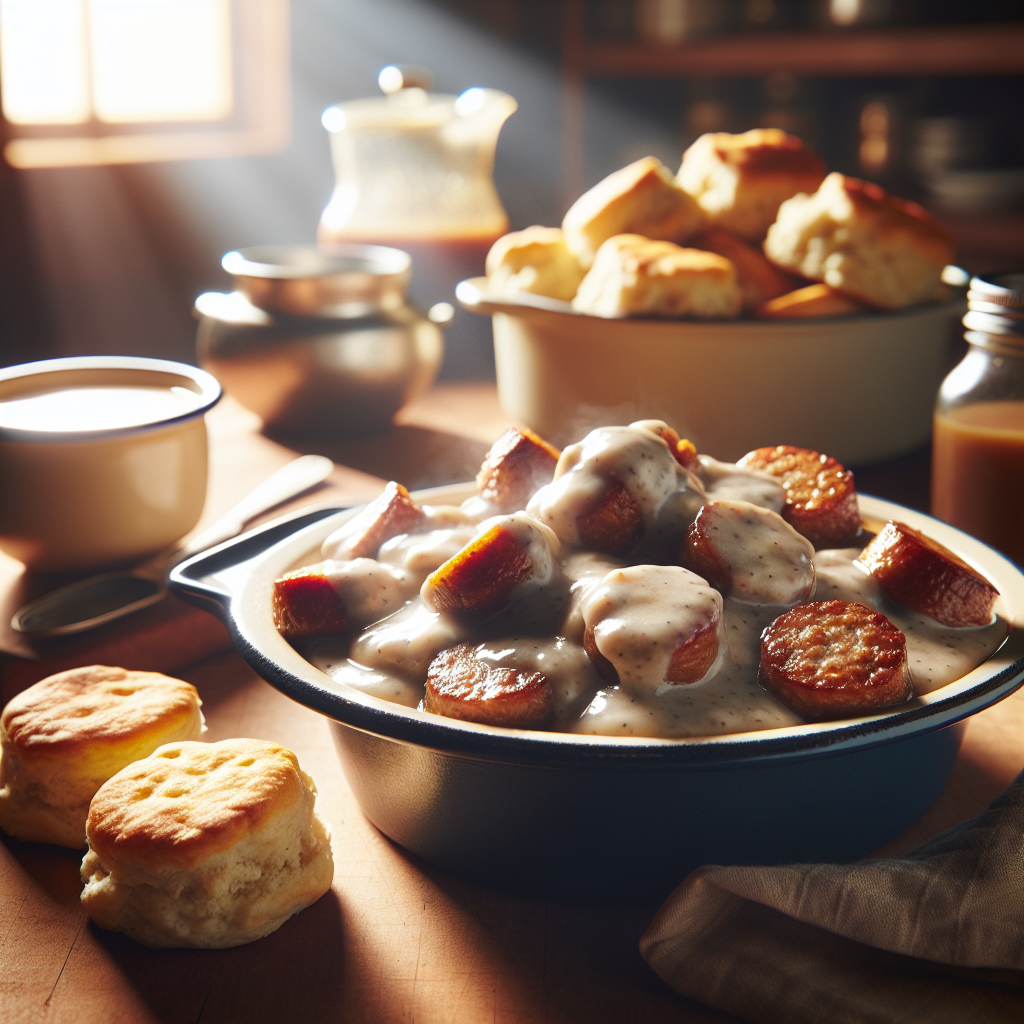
(114, 214)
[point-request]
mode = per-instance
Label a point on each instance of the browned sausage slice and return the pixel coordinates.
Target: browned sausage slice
(834, 659)
(335, 597)
(649, 625)
(685, 451)
(518, 464)
(479, 580)
(460, 685)
(749, 553)
(482, 578)
(821, 500)
(389, 514)
(614, 524)
(922, 574)
(306, 603)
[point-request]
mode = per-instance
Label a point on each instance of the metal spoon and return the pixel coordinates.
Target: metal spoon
(98, 599)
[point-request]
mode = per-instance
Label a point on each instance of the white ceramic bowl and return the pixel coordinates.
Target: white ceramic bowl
(79, 499)
(859, 388)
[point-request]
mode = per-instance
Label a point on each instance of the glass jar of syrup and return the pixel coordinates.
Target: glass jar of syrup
(978, 446)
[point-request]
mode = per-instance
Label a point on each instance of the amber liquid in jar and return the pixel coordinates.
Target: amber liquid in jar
(978, 472)
(438, 264)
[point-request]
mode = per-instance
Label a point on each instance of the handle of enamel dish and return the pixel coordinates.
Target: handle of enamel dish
(191, 580)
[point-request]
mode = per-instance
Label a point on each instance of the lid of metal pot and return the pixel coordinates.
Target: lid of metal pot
(341, 280)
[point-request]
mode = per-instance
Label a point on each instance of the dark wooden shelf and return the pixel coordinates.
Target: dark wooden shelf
(986, 241)
(947, 50)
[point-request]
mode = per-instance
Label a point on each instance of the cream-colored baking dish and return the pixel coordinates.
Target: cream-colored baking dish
(860, 388)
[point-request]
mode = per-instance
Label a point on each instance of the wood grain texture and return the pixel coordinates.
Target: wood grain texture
(396, 941)
(930, 50)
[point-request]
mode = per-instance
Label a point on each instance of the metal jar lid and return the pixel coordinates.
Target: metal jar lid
(995, 304)
(343, 280)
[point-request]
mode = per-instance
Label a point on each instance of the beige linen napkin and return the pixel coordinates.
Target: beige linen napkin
(935, 936)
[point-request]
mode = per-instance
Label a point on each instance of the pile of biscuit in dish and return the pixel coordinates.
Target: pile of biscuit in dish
(632, 586)
(189, 843)
(749, 225)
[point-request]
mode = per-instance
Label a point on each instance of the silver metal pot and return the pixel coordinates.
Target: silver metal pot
(601, 817)
(320, 339)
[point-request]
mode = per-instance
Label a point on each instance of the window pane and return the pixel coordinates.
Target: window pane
(161, 60)
(42, 61)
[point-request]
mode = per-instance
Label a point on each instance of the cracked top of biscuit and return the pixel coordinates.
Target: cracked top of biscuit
(189, 801)
(98, 709)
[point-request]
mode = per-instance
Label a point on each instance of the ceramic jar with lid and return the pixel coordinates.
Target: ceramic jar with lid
(978, 447)
(414, 170)
(320, 341)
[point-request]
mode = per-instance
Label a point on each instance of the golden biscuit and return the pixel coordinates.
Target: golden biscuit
(206, 845)
(536, 260)
(641, 199)
(854, 236)
(66, 735)
(739, 181)
(633, 276)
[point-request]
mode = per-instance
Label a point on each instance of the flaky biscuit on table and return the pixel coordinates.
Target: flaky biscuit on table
(642, 198)
(739, 181)
(534, 260)
(855, 237)
(634, 276)
(63, 737)
(205, 845)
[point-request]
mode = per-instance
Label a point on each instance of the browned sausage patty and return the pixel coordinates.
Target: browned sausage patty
(518, 464)
(460, 685)
(478, 581)
(389, 514)
(834, 659)
(614, 524)
(306, 603)
(922, 574)
(821, 501)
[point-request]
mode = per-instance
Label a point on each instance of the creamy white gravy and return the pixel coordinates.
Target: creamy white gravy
(390, 659)
(95, 408)
(544, 632)
(764, 559)
(372, 589)
(725, 481)
(667, 494)
(640, 615)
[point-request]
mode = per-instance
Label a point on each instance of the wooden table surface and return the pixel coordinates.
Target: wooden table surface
(395, 940)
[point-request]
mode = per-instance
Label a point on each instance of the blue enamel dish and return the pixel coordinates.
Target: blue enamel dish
(598, 818)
